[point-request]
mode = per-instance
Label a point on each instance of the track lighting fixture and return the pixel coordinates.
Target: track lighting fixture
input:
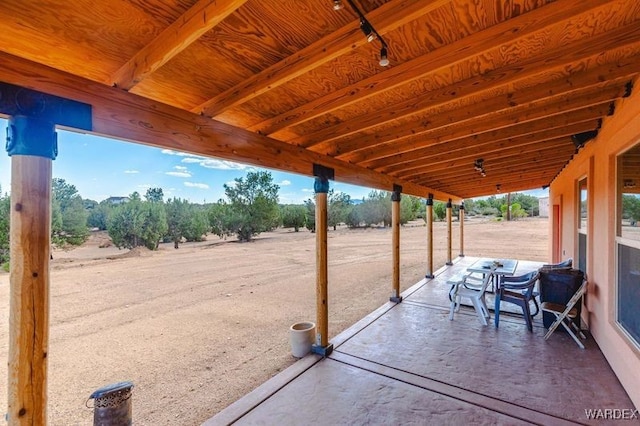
(384, 60)
(478, 165)
(367, 29)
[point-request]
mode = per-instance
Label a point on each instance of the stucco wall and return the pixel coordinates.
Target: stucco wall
(597, 161)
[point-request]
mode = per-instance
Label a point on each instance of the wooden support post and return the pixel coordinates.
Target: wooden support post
(321, 187)
(32, 145)
(395, 223)
(461, 217)
(449, 242)
(429, 237)
(29, 275)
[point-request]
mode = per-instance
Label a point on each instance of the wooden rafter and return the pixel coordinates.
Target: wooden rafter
(533, 152)
(199, 19)
(389, 142)
(534, 161)
(446, 56)
(517, 123)
(553, 59)
(122, 115)
(387, 17)
(561, 145)
(447, 151)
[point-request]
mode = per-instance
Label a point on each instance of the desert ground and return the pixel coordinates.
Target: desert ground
(198, 327)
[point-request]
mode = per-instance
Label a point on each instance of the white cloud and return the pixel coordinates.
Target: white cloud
(144, 186)
(179, 174)
(231, 183)
(131, 172)
(181, 168)
(285, 183)
(211, 163)
(307, 190)
(196, 185)
(191, 160)
(180, 154)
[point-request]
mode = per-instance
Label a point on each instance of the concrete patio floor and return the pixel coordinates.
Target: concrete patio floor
(407, 364)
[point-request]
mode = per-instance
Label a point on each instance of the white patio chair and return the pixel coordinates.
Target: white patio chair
(565, 314)
(468, 287)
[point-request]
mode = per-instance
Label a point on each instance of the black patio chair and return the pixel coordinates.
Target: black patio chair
(520, 291)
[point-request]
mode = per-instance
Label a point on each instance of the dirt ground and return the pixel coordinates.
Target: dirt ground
(196, 328)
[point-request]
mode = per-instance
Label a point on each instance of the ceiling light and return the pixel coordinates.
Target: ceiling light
(367, 29)
(478, 165)
(365, 26)
(384, 60)
(498, 188)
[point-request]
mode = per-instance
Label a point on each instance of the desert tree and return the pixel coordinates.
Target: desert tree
(293, 216)
(310, 215)
(631, 208)
(72, 228)
(137, 223)
(4, 227)
(99, 215)
(154, 195)
(439, 210)
(177, 211)
(252, 206)
(339, 205)
(410, 208)
(218, 215)
(197, 224)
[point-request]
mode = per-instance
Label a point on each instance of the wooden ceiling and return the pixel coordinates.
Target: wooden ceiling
(288, 83)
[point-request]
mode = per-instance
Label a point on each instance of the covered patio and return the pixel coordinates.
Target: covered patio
(408, 364)
(440, 99)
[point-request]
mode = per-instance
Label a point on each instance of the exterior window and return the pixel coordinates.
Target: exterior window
(628, 244)
(582, 225)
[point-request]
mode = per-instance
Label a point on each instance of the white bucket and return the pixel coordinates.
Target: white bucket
(301, 337)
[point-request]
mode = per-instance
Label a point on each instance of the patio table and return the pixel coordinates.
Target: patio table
(506, 267)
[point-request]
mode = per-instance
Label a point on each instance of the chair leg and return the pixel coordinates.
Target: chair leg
(535, 302)
(527, 315)
(575, 338)
(496, 319)
(477, 304)
(553, 327)
(452, 308)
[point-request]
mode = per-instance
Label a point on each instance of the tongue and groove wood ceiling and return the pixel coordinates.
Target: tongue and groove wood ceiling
(288, 83)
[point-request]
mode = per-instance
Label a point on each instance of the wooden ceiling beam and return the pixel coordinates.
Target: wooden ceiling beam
(513, 179)
(544, 124)
(402, 138)
(200, 18)
(483, 191)
(421, 168)
(387, 17)
(522, 158)
(470, 151)
(456, 52)
(506, 170)
(126, 116)
(564, 56)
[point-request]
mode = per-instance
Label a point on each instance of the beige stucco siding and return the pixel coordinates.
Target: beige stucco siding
(597, 162)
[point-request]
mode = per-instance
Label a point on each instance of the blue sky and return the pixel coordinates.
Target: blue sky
(101, 168)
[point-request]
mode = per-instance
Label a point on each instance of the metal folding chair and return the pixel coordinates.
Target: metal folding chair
(565, 314)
